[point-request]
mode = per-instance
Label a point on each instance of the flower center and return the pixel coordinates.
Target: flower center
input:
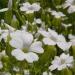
(25, 50)
(62, 61)
(30, 8)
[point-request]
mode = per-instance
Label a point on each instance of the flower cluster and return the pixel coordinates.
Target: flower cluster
(37, 37)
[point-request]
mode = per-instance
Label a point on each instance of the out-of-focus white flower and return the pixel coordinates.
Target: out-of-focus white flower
(65, 60)
(26, 49)
(30, 8)
(71, 9)
(67, 3)
(66, 25)
(38, 21)
(2, 54)
(52, 38)
(57, 14)
(72, 39)
(1, 65)
(70, 5)
(16, 69)
(26, 72)
(47, 73)
(4, 9)
(5, 73)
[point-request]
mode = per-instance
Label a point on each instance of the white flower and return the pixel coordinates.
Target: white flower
(70, 5)
(57, 14)
(71, 9)
(16, 69)
(5, 73)
(65, 60)
(26, 49)
(72, 39)
(52, 38)
(38, 21)
(66, 25)
(30, 8)
(1, 65)
(67, 3)
(4, 9)
(47, 73)
(2, 54)
(26, 72)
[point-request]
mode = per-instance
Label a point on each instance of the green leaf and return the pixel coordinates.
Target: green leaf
(8, 16)
(66, 72)
(73, 51)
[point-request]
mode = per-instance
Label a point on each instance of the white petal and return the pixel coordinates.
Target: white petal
(27, 39)
(31, 57)
(15, 34)
(69, 60)
(25, 6)
(71, 9)
(36, 7)
(61, 38)
(1, 65)
(43, 32)
(48, 41)
(18, 54)
(53, 33)
(53, 67)
(17, 43)
(64, 45)
(62, 67)
(37, 47)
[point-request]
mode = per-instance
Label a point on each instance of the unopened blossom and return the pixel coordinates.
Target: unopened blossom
(10, 4)
(25, 48)
(62, 62)
(30, 8)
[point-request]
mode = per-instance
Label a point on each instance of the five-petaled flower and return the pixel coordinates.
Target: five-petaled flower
(25, 47)
(62, 62)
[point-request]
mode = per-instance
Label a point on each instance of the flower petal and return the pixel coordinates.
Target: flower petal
(27, 39)
(36, 47)
(18, 54)
(48, 41)
(64, 45)
(30, 57)
(17, 43)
